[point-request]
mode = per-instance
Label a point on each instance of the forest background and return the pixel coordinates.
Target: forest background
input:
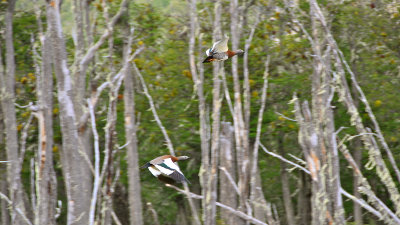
(302, 129)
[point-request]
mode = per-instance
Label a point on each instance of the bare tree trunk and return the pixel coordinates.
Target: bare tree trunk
(135, 201)
(7, 85)
(345, 96)
(308, 140)
(303, 200)
(358, 218)
(46, 188)
(262, 209)
(73, 162)
(198, 81)
(5, 218)
(79, 91)
(227, 193)
(108, 168)
(287, 200)
(211, 196)
(241, 134)
(357, 152)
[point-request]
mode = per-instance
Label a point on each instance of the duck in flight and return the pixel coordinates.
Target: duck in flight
(165, 169)
(220, 52)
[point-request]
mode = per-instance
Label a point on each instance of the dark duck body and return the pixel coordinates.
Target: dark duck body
(220, 52)
(165, 169)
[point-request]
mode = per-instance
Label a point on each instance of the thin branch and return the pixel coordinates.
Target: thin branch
(24, 135)
(339, 130)
(232, 210)
(153, 109)
(115, 218)
(259, 126)
(164, 132)
(92, 50)
(230, 179)
(18, 210)
(97, 164)
(117, 78)
(283, 159)
(278, 113)
(297, 158)
(153, 213)
(361, 202)
(387, 215)
(227, 95)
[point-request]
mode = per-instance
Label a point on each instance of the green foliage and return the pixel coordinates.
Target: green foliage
(367, 36)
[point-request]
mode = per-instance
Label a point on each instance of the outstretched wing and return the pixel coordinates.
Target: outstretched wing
(169, 168)
(179, 177)
(219, 46)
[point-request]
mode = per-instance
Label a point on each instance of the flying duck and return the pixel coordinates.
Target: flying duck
(164, 168)
(220, 52)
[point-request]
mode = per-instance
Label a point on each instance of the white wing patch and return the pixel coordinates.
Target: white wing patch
(171, 164)
(164, 170)
(155, 172)
(212, 48)
(208, 52)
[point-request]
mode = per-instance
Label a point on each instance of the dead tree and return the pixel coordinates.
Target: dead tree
(135, 203)
(227, 179)
(241, 134)
(46, 183)
(198, 80)
(7, 85)
(71, 158)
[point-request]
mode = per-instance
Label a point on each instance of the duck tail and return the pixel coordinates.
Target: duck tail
(148, 164)
(208, 59)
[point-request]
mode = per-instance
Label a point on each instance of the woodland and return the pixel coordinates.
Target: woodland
(303, 129)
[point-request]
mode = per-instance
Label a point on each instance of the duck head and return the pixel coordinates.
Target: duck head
(184, 157)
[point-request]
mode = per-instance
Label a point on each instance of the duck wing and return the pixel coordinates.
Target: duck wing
(170, 169)
(219, 46)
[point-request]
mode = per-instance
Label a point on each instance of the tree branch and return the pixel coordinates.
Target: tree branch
(18, 210)
(231, 210)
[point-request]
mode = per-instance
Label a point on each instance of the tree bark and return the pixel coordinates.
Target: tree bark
(227, 193)
(211, 196)
(262, 209)
(303, 199)
(346, 97)
(241, 134)
(358, 218)
(287, 200)
(198, 80)
(134, 189)
(73, 162)
(7, 85)
(79, 92)
(5, 218)
(45, 174)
